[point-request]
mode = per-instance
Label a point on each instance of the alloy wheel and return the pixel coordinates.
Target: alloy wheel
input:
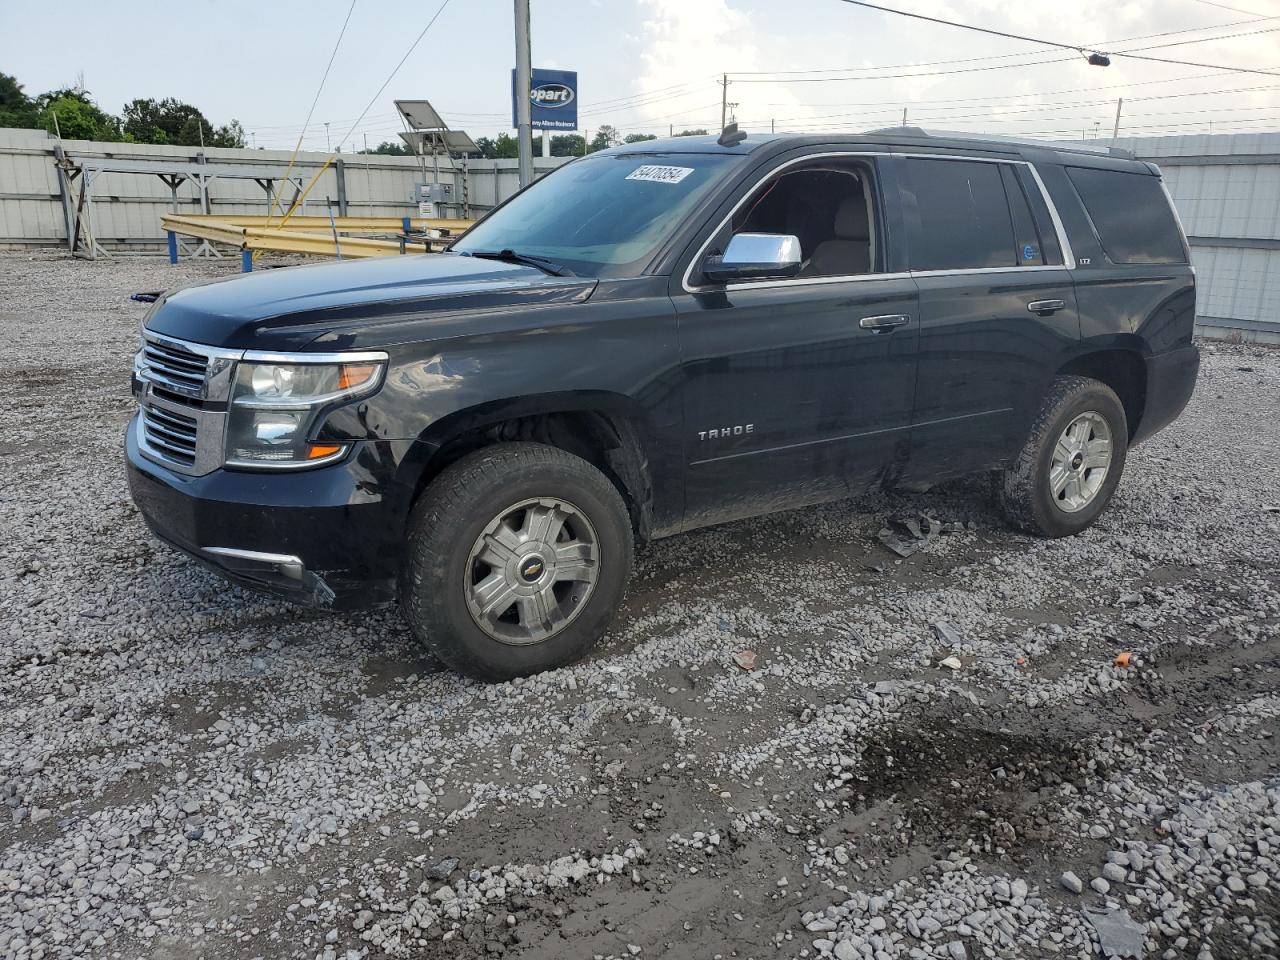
(531, 570)
(1081, 461)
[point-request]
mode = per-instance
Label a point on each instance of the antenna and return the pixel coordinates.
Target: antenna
(731, 136)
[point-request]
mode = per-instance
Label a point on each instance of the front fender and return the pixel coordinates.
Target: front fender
(617, 355)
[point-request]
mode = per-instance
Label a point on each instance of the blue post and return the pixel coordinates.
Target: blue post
(246, 261)
(173, 246)
(407, 225)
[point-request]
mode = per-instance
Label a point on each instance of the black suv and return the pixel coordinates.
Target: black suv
(655, 338)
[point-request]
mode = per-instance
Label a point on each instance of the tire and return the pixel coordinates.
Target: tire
(1032, 490)
(513, 493)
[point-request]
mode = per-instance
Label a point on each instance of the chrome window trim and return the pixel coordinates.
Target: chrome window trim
(965, 270)
(794, 282)
(1068, 258)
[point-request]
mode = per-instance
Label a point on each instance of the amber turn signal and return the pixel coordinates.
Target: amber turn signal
(319, 451)
(356, 374)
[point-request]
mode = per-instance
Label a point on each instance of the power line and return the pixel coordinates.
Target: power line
(1133, 52)
(395, 70)
(298, 146)
(1223, 6)
(1054, 43)
(1006, 56)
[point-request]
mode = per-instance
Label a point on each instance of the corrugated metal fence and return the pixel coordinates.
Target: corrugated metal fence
(127, 206)
(1226, 189)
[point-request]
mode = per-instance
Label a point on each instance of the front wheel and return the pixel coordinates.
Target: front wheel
(518, 556)
(1071, 463)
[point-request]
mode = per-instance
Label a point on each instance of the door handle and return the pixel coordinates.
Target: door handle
(885, 323)
(1046, 307)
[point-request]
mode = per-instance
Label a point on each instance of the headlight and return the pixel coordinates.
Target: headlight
(275, 407)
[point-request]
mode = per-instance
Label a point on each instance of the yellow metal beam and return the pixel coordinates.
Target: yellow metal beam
(290, 241)
(204, 228)
(315, 239)
(344, 224)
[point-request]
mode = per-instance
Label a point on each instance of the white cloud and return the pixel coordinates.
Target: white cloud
(682, 44)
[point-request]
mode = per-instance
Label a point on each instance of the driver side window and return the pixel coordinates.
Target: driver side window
(828, 206)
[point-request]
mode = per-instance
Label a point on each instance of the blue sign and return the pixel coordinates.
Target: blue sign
(553, 97)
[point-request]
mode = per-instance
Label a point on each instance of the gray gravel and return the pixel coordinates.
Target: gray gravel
(933, 756)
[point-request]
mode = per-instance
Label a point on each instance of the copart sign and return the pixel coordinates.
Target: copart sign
(553, 97)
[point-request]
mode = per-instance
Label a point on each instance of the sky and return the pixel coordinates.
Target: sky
(651, 66)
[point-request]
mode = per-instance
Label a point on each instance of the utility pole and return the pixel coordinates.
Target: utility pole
(904, 116)
(724, 101)
(524, 69)
(1115, 131)
(328, 147)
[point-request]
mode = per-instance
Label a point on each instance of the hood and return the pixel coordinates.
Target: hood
(288, 308)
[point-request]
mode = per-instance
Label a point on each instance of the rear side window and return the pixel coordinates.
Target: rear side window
(964, 220)
(1131, 215)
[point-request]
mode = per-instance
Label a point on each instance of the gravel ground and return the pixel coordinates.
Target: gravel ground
(191, 770)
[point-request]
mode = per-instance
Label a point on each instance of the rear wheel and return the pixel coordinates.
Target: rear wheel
(518, 556)
(1070, 465)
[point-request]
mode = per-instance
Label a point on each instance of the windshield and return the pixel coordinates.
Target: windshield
(601, 216)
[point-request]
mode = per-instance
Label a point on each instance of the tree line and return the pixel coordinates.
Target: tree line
(72, 113)
(505, 147)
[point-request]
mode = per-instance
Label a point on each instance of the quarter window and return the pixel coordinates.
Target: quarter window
(1130, 214)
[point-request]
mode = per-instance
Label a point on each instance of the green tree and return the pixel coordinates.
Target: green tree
(16, 108)
(605, 137)
(506, 147)
(172, 121)
(163, 121)
(700, 132)
(568, 145)
(230, 135)
(638, 137)
(78, 118)
(390, 148)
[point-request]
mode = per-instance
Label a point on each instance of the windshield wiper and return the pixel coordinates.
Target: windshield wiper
(510, 256)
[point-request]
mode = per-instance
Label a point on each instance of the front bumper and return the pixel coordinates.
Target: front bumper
(329, 537)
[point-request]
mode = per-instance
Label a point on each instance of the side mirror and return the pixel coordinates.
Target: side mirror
(755, 256)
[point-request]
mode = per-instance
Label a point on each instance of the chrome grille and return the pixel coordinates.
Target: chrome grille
(169, 433)
(173, 366)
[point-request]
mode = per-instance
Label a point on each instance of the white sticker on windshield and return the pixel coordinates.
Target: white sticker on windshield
(659, 174)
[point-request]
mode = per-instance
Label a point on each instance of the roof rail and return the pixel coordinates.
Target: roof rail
(1099, 150)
